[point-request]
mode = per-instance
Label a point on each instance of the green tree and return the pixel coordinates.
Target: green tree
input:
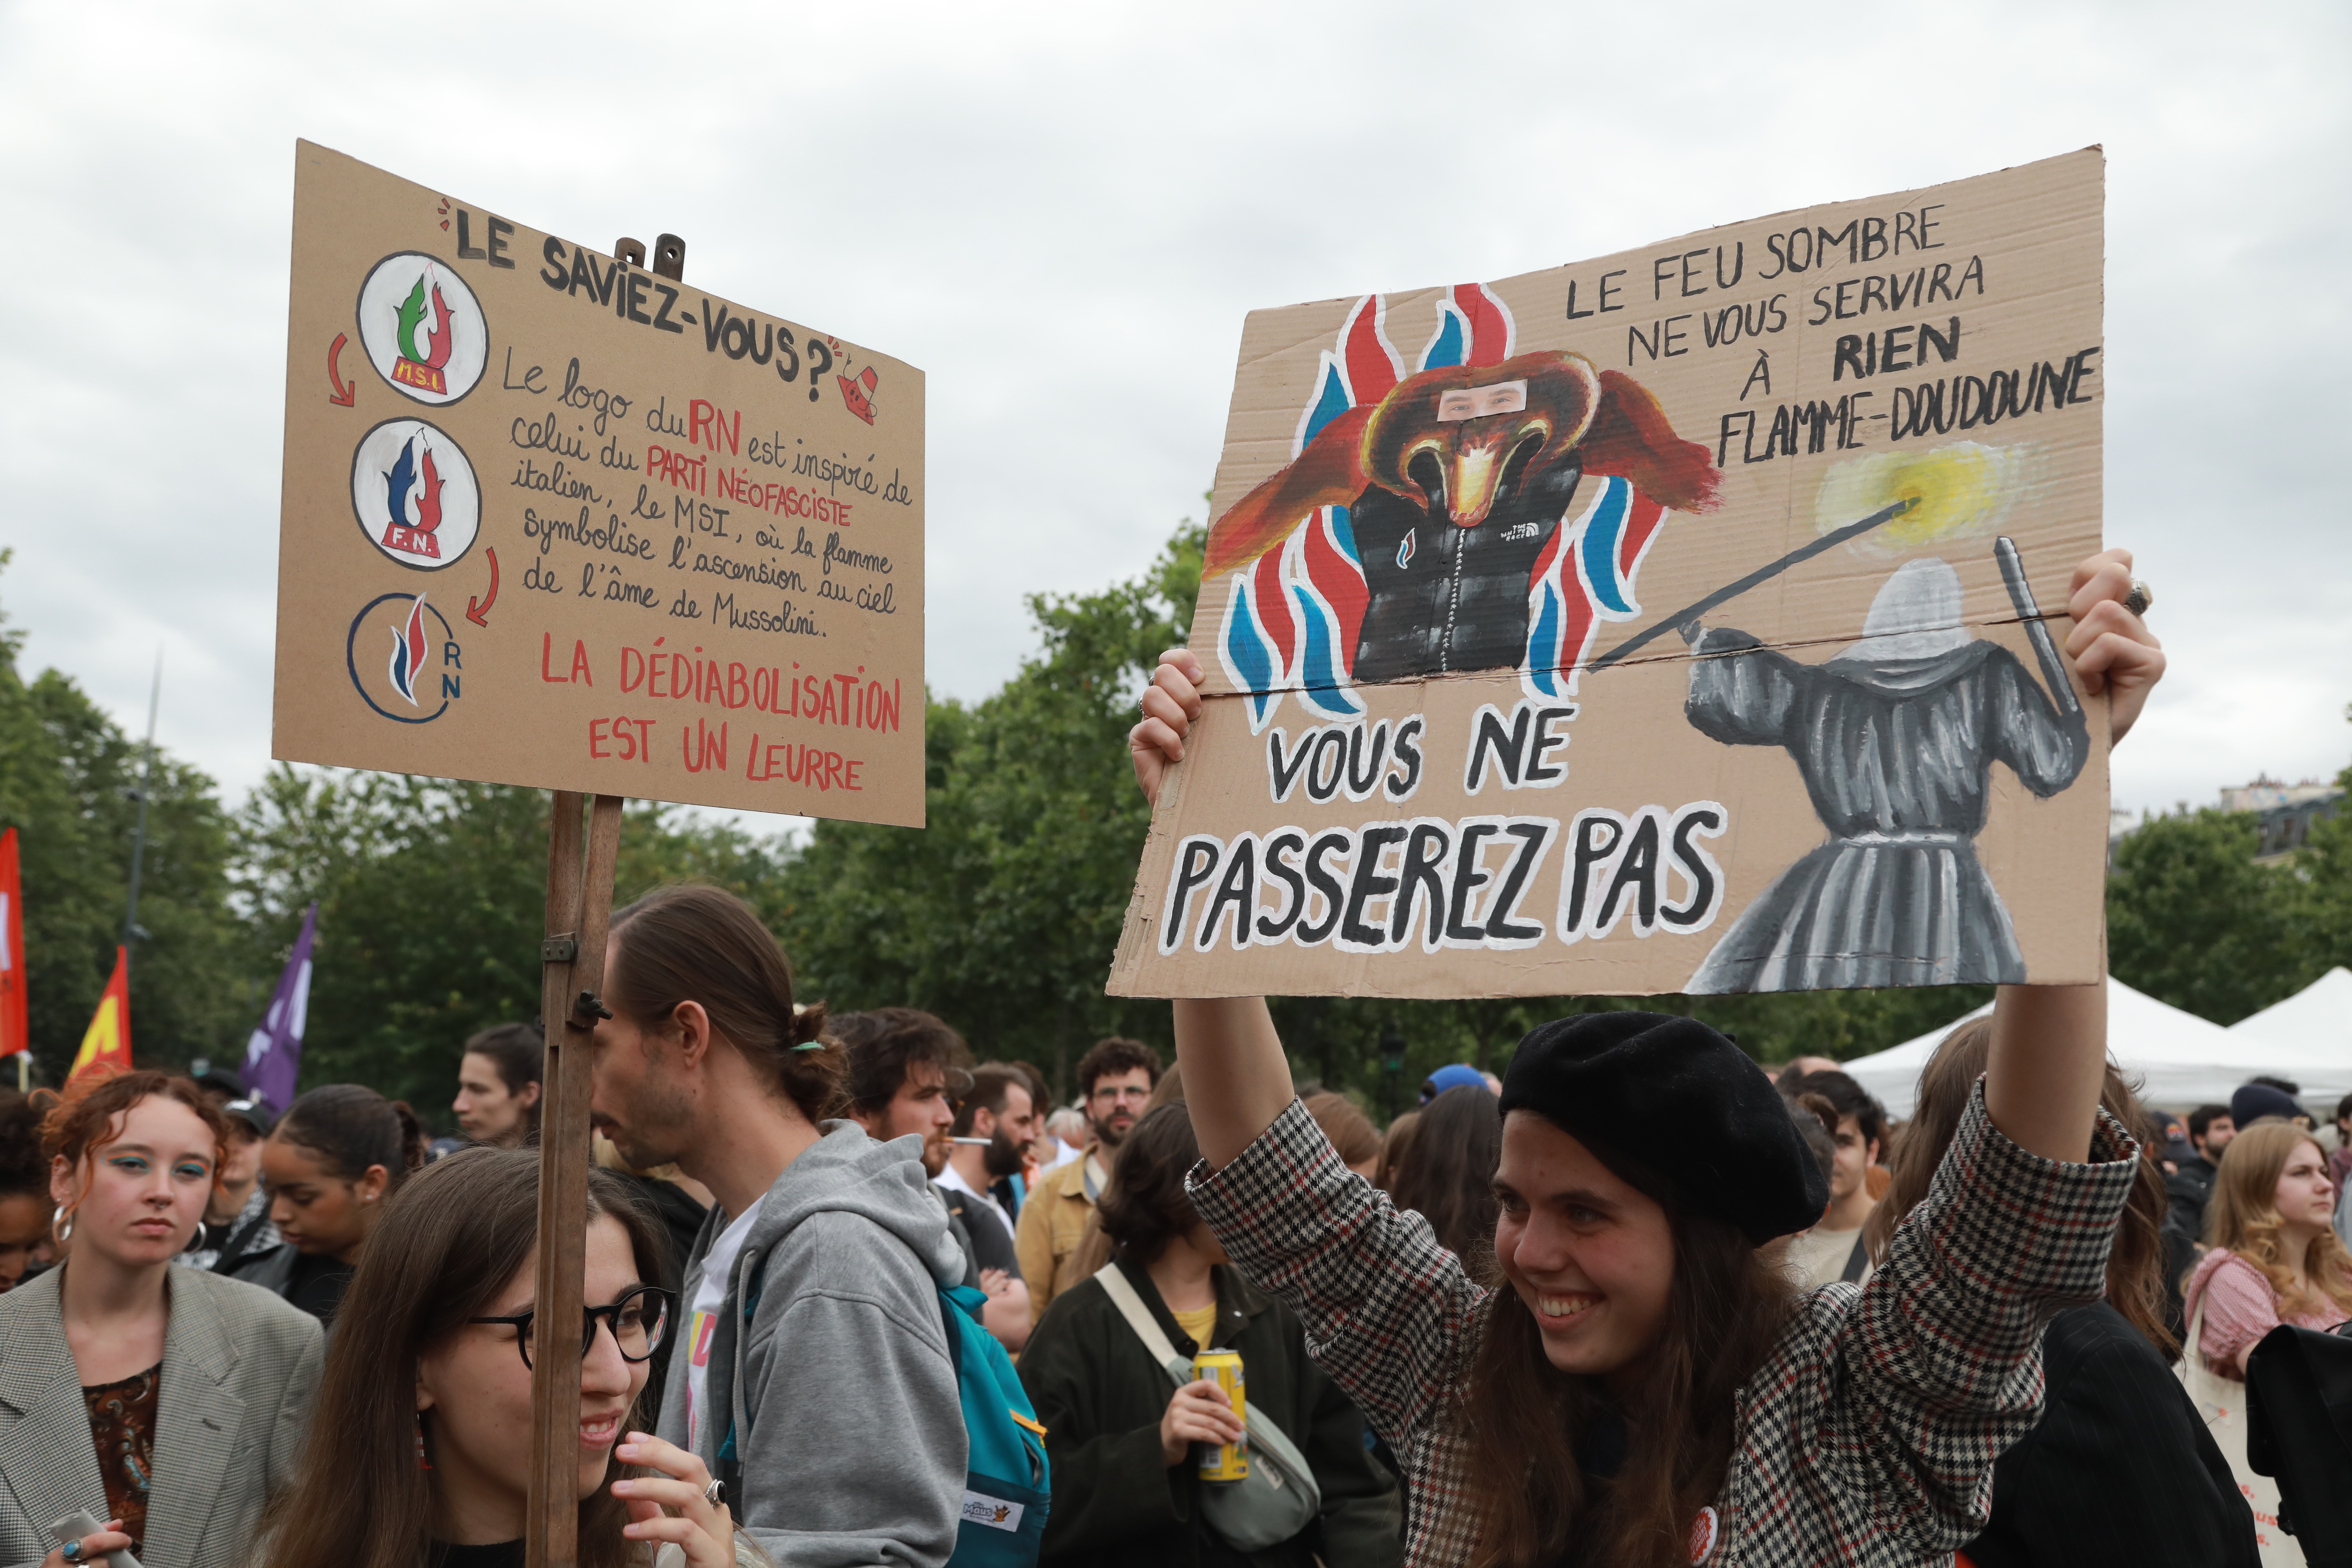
(2194, 922)
(432, 898)
(69, 785)
(1004, 912)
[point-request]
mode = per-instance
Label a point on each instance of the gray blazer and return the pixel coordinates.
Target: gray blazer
(239, 1368)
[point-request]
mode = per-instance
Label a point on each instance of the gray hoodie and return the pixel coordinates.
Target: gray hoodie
(849, 1431)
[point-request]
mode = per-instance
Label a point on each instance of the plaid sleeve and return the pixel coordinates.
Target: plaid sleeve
(1388, 1312)
(1941, 1354)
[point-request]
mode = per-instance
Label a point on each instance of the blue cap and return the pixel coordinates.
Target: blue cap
(1458, 1075)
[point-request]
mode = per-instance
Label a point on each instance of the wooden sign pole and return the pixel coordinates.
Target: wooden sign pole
(579, 911)
(579, 917)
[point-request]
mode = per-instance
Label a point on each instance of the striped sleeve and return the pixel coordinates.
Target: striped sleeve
(1388, 1312)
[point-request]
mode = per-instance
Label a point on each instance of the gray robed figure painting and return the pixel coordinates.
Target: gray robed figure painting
(1896, 737)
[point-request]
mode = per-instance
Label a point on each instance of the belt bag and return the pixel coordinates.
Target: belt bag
(1278, 1498)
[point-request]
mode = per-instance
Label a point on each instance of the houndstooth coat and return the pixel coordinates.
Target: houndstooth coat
(239, 1368)
(1867, 1438)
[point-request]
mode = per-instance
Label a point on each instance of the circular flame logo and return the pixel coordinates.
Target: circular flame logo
(422, 327)
(404, 659)
(414, 494)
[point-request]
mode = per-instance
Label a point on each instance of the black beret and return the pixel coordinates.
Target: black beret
(1674, 1097)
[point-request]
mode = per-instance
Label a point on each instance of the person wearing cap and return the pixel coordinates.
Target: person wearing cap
(1458, 1075)
(237, 1225)
(2249, 1102)
(1639, 1384)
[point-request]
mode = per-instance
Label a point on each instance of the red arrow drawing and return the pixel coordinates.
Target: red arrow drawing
(344, 391)
(478, 610)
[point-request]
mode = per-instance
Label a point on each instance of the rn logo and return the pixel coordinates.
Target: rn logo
(414, 494)
(422, 327)
(404, 659)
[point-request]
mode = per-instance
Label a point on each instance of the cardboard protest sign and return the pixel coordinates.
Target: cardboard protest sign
(1672, 622)
(552, 519)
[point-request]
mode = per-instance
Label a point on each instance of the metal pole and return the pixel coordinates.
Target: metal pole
(138, 836)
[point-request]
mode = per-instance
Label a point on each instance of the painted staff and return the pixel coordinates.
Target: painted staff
(1687, 618)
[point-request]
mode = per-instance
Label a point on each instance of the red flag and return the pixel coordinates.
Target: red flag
(13, 1039)
(106, 1047)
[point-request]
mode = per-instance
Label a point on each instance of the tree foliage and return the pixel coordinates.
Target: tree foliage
(1001, 915)
(70, 783)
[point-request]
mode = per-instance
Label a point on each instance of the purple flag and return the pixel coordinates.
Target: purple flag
(275, 1053)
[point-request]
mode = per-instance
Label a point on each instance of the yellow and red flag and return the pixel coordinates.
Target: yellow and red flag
(14, 1038)
(106, 1047)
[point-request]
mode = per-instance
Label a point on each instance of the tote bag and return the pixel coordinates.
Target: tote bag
(1279, 1497)
(2222, 1403)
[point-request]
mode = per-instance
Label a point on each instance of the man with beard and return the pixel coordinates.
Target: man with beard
(907, 1069)
(1116, 1078)
(995, 1122)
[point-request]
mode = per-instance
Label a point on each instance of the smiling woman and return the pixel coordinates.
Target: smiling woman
(1635, 1382)
(421, 1453)
(132, 1380)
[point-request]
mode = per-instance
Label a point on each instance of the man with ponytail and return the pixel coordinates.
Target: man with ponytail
(814, 1378)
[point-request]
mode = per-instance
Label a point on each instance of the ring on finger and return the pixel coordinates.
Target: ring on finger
(2140, 597)
(714, 1491)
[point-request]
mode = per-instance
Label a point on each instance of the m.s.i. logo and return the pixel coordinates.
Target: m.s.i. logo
(414, 494)
(422, 327)
(404, 659)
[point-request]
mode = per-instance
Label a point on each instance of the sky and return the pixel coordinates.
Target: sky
(1061, 214)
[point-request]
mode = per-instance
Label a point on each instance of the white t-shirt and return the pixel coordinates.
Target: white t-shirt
(1819, 1256)
(718, 1272)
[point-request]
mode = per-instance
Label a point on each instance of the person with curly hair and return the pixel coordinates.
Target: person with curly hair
(163, 1400)
(24, 1205)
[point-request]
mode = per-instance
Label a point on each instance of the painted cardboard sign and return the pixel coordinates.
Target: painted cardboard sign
(1672, 622)
(551, 518)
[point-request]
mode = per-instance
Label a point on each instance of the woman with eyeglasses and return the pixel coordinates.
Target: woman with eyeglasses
(421, 1450)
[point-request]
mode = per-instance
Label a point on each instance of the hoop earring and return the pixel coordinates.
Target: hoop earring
(61, 1226)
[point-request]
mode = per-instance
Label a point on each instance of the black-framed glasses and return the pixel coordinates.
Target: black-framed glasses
(639, 1321)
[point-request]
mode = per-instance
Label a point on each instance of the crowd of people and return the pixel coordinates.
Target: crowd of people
(857, 1296)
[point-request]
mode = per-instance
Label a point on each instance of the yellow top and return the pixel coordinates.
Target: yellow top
(1200, 1325)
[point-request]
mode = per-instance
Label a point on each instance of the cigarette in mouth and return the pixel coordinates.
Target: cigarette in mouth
(975, 1143)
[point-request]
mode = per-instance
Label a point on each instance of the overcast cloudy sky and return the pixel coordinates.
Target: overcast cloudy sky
(1061, 214)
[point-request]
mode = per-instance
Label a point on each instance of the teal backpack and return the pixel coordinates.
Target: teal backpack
(1001, 1521)
(1007, 1487)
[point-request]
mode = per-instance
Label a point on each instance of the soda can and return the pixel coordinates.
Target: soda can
(1230, 1461)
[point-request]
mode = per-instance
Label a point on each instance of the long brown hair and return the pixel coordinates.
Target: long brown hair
(1447, 1175)
(448, 1244)
(1521, 1418)
(697, 943)
(2242, 1217)
(2135, 1262)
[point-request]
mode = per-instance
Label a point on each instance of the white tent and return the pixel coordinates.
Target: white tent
(2179, 1059)
(2311, 1034)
